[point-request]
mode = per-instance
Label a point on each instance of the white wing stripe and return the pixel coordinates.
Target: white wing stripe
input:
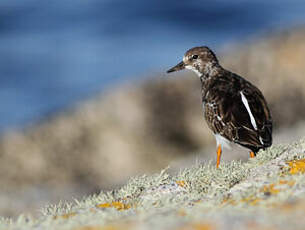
(261, 140)
(244, 100)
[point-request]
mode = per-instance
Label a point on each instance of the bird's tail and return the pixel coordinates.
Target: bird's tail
(266, 136)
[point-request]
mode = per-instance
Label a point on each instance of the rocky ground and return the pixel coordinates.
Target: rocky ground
(143, 127)
(266, 192)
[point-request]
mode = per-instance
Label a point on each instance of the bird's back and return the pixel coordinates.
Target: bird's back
(237, 110)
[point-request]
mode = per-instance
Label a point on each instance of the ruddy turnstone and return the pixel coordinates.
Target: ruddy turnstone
(235, 110)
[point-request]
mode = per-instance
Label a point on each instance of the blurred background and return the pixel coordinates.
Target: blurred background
(85, 103)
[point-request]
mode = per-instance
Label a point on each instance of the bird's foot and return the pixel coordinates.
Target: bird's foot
(218, 156)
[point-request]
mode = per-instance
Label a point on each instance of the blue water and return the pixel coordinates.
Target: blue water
(55, 53)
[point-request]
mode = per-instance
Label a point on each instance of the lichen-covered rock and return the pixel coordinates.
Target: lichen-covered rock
(267, 192)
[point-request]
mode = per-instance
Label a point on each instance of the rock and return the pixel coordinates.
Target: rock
(267, 192)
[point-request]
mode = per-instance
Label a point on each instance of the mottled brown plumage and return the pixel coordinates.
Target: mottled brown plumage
(235, 110)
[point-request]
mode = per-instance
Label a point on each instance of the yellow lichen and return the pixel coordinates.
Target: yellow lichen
(197, 226)
(296, 166)
(202, 227)
(115, 204)
(114, 226)
(251, 200)
(181, 183)
(289, 183)
(228, 202)
(65, 216)
(108, 227)
(181, 212)
(270, 189)
(104, 205)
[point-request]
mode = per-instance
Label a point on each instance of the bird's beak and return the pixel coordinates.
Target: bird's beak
(178, 67)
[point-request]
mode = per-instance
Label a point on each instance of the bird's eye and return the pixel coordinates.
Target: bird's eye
(195, 56)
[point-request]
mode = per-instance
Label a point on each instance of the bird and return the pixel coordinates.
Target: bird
(234, 109)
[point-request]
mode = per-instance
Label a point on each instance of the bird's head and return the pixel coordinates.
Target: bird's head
(201, 60)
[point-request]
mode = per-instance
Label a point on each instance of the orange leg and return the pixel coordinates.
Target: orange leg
(252, 154)
(218, 155)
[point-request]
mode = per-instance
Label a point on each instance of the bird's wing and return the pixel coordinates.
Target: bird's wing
(257, 106)
(238, 111)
